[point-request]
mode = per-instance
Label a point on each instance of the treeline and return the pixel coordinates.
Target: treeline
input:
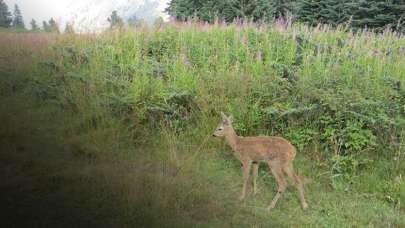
(374, 14)
(10, 20)
(15, 20)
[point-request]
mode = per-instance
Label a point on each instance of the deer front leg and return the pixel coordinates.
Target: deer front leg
(246, 170)
(255, 173)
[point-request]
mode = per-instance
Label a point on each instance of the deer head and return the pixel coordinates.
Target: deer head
(224, 126)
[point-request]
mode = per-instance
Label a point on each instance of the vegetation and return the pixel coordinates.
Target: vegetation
(69, 28)
(5, 15)
(52, 26)
(376, 14)
(114, 129)
(34, 26)
(18, 21)
(115, 20)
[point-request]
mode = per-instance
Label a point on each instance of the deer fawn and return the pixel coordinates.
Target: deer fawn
(278, 152)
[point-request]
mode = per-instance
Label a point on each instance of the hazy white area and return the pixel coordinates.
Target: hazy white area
(88, 14)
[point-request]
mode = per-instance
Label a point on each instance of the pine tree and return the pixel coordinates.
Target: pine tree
(335, 12)
(34, 26)
(310, 11)
(69, 28)
(182, 9)
(228, 9)
(398, 9)
(281, 8)
(45, 26)
(5, 15)
(243, 9)
(375, 14)
(18, 21)
(115, 20)
(209, 11)
(53, 26)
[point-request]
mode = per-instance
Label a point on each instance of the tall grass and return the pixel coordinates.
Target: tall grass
(147, 99)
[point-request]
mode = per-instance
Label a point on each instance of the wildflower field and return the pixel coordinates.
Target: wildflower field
(114, 129)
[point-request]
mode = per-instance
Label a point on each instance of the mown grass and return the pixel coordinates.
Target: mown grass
(113, 129)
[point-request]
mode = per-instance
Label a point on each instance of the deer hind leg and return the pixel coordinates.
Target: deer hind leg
(246, 171)
(281, 182)
(298, 184)
(255, 172)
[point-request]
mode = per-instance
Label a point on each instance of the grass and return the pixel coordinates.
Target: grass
(113, 129)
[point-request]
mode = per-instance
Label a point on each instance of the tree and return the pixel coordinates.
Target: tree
(5, 15)
(245, 9)
(281, 8)
(230, 9)
(375, 14)
(378, 14)
(45, 26)
(69, 29)
(310, 11)
(53, 26)
(115, 20)
(335, 12)
(34, 26)
(18, 21)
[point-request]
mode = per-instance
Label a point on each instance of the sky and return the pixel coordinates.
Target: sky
(89, 14)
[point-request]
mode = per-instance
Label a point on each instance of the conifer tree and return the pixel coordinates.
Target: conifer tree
(34, 26)
(18, 21)
(334, 12)
(45, 26)
(5, 15)
(115, 20)
(310, 11)
(181, 9)
(280, 8)
(69, 28)
(228, 9)
(375, 14)
(53, 26)
(378, 14)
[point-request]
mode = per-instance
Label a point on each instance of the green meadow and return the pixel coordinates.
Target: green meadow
(114, 129)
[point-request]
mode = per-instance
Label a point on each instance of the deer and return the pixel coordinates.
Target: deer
(277, 152)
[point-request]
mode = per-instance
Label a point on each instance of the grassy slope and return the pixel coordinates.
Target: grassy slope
(58, 169)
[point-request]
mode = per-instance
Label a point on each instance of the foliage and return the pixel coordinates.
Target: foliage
(121, 121)
(115, 20)
(18, 21)
(304, 88)
(227, 10)
(5, 15)
(377, 14)
(69, 29)
(52, 26)
(34, 26)
(45, 26)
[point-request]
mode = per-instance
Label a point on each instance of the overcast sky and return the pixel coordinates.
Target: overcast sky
(86, 12)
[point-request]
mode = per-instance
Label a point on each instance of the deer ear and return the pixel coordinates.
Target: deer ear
(223, 116)
(230, 119)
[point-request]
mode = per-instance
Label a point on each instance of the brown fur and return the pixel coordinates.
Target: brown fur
(277, 152)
